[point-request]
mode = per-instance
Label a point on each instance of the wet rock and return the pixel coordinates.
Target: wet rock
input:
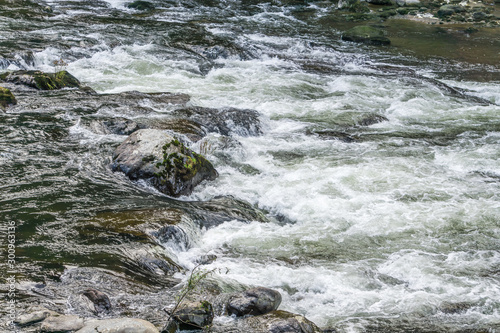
(453, 308)
(141, 5)
(367, 35)
(448, 10)
(206, 259)
(191, 129)
(273, 322)
(193, 315)
(225, 121)
(62, 323)
(41, 80)
(119, 126)
(333, 135)
(355, 6)
(163, 161)
(34, 317)
(197, 39)
(119, 325)
(256, 301)
(408, 3)
(101, 301)
(371, 119)
(381, 2)
(208, 214)
(6, 98)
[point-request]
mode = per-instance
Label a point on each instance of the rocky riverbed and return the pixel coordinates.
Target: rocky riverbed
(254, 166)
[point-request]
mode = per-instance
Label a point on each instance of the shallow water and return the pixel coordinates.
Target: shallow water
(379, 234)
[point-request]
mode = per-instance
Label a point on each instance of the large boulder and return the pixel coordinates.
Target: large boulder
(41, 80)
(193, 315)
(62, 323)
(255, 301)
(367, 35)
(119, 325)
(163, 161)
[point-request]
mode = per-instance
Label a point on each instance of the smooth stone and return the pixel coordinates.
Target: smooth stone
(255, 301)
(62, 323)
(118, 325)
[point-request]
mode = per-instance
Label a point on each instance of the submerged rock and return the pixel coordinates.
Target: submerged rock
(255, 301)
(119, 126)
(367, 35)
(225, 121)
(141, 5)
(41, 80)
(119, 325)
(6, 98)
(371, 119)
(194, 315)
(273, 322)
(163, 161)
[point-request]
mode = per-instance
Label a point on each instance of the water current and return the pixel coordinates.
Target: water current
(387, 226)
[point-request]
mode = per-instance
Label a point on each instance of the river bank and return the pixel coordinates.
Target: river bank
(358, 182)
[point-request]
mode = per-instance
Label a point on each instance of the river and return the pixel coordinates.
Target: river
(375, 226)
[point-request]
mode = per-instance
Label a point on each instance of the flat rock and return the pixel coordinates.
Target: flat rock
(118, 325)
(62, 323)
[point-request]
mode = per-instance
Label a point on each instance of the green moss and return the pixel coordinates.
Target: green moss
(41, 80)
(6, 98)
(182, 165)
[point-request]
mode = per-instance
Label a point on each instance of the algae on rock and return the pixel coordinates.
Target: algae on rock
(6, 98)
(41, 80)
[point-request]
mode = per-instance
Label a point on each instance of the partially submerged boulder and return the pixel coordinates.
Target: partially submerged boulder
(224, 121)
(41, 80)
(193, 315)
(282, 322)
(6, 98)
(163, 161)
(255, 301)
(367, 35)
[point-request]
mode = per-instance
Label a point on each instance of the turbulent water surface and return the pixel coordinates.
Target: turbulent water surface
(374, 226)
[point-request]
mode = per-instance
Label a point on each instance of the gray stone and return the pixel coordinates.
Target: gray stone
(255, 301)
(101, 301)
(194, 315)
(367, 35)
(118, 325)
(34, 317)
(162, 160)
(62, 323)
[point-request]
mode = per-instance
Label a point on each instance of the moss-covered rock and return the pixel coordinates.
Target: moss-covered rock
(367, 35)
(6, 98)
(41, 80)
(163, 161)
(448, 10)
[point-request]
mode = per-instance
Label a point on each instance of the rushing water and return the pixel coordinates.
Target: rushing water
(397, 230)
